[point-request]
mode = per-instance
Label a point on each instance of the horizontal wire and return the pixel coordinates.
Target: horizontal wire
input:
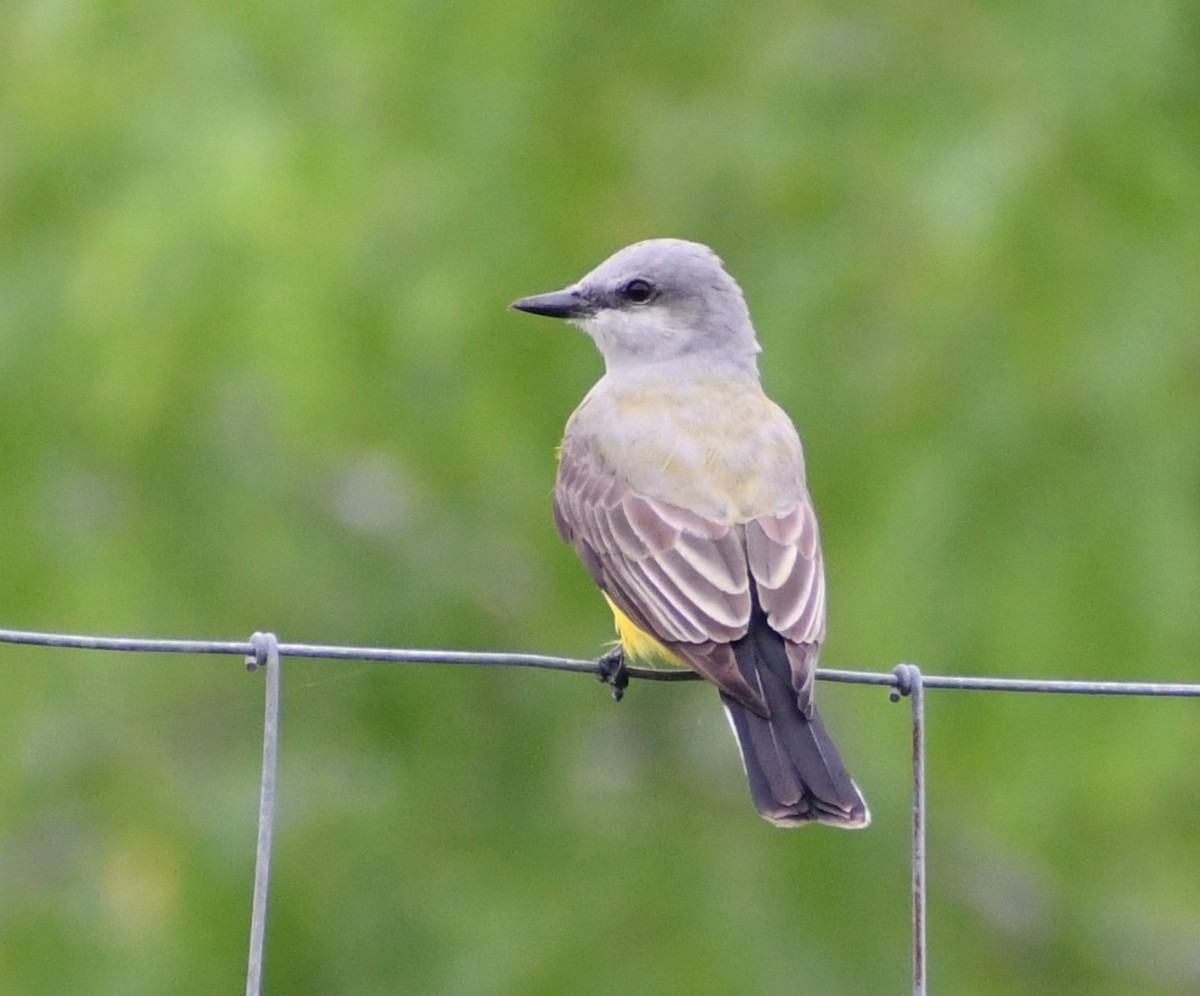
(485, 658)
(906, 680)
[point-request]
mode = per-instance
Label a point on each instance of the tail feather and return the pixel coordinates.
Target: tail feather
(794, 770)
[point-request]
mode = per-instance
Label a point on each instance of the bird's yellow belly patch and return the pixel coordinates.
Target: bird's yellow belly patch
(637, 643)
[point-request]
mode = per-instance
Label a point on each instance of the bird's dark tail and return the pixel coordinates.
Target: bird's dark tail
(795, 773)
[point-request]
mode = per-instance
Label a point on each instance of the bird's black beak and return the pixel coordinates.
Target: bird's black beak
(556, 304)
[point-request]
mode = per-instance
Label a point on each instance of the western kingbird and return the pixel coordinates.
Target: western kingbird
(682, 487)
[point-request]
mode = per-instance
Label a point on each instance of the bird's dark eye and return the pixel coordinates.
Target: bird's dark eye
(638, 291)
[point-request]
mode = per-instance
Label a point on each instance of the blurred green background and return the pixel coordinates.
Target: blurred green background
(256, 371)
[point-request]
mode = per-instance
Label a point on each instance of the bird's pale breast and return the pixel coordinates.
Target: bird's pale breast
(715, 445)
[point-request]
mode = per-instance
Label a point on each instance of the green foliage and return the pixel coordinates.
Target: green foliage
(256, 372)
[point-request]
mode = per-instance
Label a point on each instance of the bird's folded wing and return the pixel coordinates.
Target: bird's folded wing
(784, 554)
(686, 579)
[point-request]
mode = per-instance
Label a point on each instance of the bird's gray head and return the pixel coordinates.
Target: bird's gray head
(663, 299)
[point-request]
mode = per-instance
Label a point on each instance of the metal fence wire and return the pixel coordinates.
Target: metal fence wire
(263, 652)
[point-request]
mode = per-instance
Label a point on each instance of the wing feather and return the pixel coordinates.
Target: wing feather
(651, 528)
(721, 560)
(784, 554)
(721, 613)
(631, 544)
(772, 560)
(690, 522)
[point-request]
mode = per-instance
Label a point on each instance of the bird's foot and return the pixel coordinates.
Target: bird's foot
(612, 671)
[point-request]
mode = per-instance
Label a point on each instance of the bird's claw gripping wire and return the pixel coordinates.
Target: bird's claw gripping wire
(611, 670)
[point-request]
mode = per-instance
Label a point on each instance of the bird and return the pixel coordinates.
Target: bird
(682, 488)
